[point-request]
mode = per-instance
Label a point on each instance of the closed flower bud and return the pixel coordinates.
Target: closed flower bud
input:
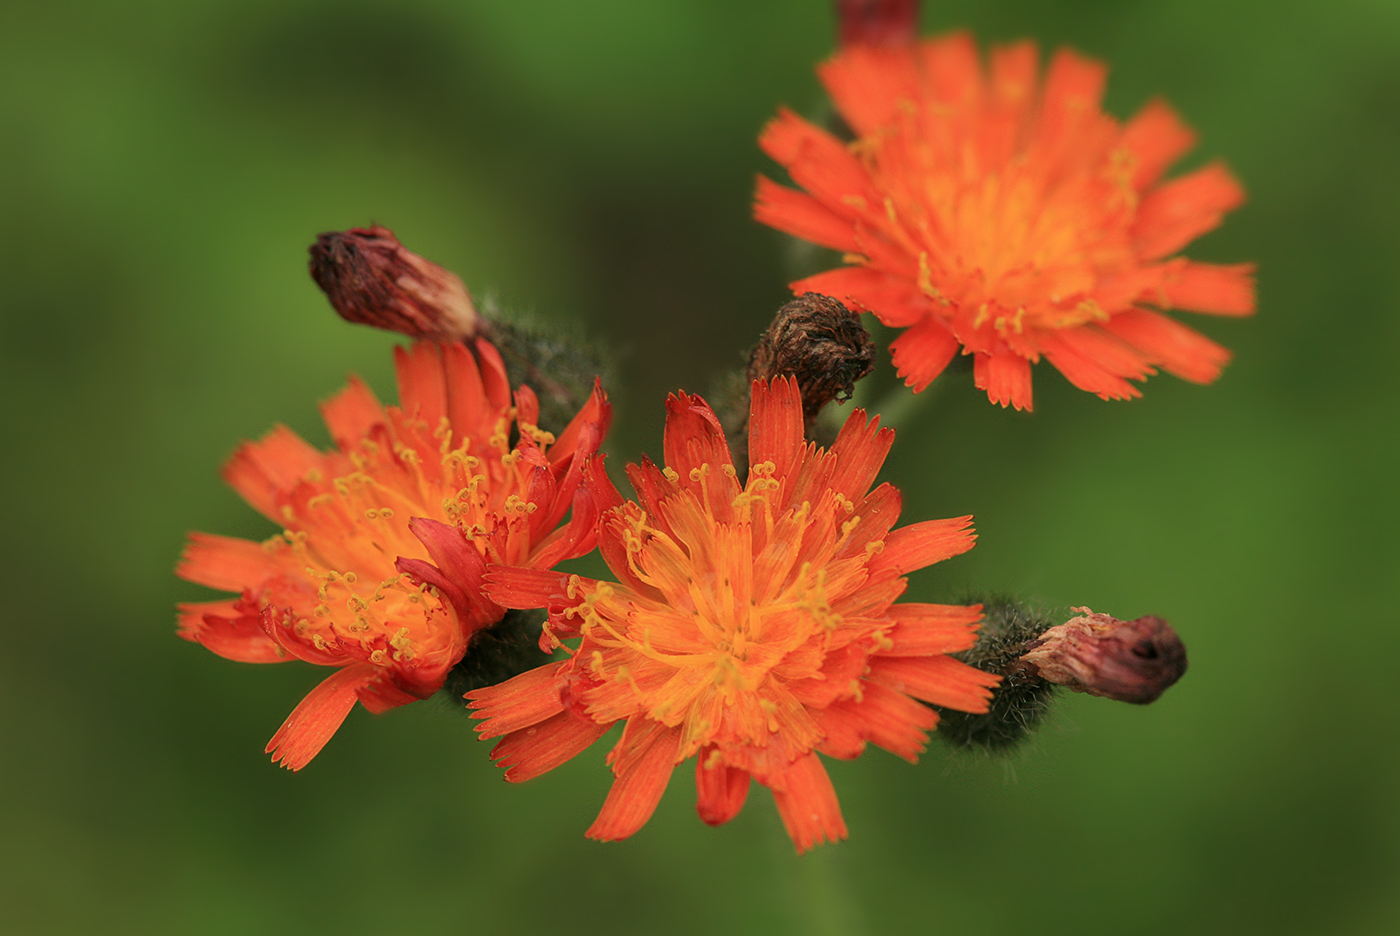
(1129, 661)
(372, 279)
(877, 22)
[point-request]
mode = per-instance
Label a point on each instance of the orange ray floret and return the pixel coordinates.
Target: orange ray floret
(386, 539)
(752, 626)
(985, 211)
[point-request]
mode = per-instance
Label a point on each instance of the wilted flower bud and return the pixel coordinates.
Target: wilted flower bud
(820, 342)
(372, 279)
(877, 22)
(1129, 661)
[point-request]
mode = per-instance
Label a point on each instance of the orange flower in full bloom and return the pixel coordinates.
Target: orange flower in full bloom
(378, 570)
(753, 626)
(1013, 219)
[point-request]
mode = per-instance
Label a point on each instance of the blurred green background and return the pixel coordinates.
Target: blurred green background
(164, 166)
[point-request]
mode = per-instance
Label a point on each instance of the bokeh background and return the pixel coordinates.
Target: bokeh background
(164, 165)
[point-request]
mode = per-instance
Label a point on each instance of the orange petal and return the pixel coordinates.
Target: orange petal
(720, 791)
(467, 407)
(892, 300)
(493, 374)
(312, 723)
(867, 84)
(520, 702)
(422, 384)
(350, 413)
(260, 471)
(226, 562)
(529, 752)
(776, 424)
(1215, 289)
(642, 776)
(819, 163)
(1177, 212)
(222, 627)
(1085, 372)
(807, 803)
(922, 352)
(922, 544)
(941, 680)
(1157, 138)
(1006, 376)
(1185, 353)
(1073, 89)
(885, 717)
(802, 216)
(926, 629)
(859, 452)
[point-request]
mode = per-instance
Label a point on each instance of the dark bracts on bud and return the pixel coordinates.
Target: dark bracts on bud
(877, 22)
(559, 368)
(502, 651)
(372, 279)
(813, 338)
(820, 342)
(1022, 699)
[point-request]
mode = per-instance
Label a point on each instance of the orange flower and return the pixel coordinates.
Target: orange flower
(752, 626)
(977, 210)
(348, 582)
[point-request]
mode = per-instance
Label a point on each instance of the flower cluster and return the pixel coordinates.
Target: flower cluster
(753, 623)
(988, 212)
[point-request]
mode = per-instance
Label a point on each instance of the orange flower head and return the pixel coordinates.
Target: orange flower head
(1009, 218)
(751, 627)
(386, 538)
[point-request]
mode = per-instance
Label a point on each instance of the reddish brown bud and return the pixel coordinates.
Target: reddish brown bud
(820, 342)
(877, 22)
(1130, 661)
(372, 279)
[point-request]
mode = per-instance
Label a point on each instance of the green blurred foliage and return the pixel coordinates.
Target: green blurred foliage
(164, 166)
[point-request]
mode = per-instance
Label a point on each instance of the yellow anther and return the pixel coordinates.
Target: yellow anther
(670, 474)
(377, 657)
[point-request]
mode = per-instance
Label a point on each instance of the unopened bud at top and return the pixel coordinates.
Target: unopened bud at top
(877, 22)
(1130, 661)
(372, 279)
